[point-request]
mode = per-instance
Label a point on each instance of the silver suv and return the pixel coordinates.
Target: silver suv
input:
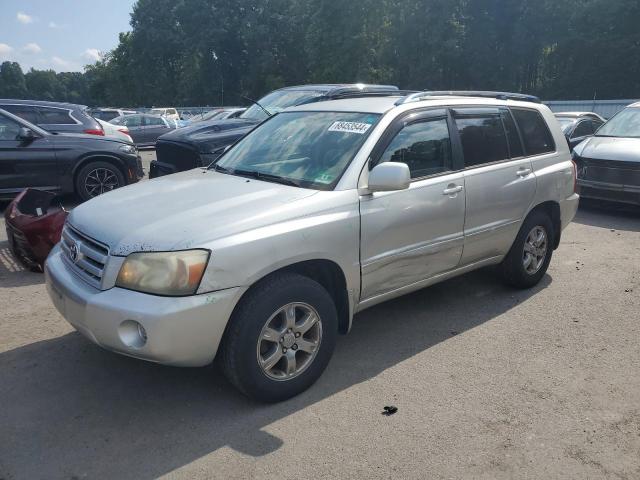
(320, 212)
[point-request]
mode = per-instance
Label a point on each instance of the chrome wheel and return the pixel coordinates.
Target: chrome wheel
(535, 250)
(99, 181)
(289, 341)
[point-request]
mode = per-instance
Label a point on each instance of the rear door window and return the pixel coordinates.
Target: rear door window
(25, 112)
(55, 116)
(154, 121)
(535, 133)
(483, 137)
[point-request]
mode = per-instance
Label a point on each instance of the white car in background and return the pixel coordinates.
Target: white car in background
(168, 113)
(121, 132)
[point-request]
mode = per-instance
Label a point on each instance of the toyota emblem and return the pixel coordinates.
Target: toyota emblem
(73, 252)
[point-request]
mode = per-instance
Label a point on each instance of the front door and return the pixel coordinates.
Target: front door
(410, 235)
(25, 162)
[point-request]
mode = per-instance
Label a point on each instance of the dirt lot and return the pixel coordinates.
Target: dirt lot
(489, 382)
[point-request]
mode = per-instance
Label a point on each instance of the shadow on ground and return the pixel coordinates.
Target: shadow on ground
(617, 216)
(71, 409)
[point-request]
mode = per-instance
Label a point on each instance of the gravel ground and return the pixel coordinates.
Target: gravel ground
(489, 382)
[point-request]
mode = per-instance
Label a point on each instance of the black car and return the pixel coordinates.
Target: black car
(85, 164)
(145, 128)
(53, 116)
(201, 143)
(577, 126)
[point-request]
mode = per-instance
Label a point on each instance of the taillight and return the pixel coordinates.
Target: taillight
(574, 165)
(94, 131)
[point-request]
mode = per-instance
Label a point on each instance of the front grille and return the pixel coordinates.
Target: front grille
(609, 171)
(86, 257)
(20, 247)
(181, 157)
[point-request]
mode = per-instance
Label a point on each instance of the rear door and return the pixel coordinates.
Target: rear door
(25, 163)
(499, 181)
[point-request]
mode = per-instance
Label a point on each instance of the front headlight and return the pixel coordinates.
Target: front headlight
(164, 273)
(130, 149)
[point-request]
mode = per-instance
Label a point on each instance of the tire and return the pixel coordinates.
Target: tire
(95, 172)
(515, 269)
(244, 346)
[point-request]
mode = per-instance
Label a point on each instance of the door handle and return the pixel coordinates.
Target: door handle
(452, 190)
(523, 172)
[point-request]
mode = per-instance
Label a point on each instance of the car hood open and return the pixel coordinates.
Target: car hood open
(610, 148)
(183, 211)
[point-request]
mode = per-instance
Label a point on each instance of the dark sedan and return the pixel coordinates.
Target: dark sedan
(145, 128)
(85, 164)
(609, 162)
(201, 143)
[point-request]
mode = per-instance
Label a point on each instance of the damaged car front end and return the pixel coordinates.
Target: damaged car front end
(34, 221)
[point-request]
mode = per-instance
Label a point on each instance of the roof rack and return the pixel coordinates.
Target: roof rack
(351, 93)
(416, 97)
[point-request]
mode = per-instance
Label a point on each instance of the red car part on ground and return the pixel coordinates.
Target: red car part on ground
(34, 224)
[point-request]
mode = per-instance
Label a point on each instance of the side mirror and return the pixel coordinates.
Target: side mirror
(26, 134)
(389, 176)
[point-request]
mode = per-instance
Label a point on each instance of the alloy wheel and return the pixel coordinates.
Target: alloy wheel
(535, 250)
(289, 341)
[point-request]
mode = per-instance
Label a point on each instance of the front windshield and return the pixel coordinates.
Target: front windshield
(308, 149)
(277, 101)
(624, 124)
(566, 123)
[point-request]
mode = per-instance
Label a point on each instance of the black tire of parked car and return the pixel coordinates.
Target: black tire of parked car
(512, 267)
(238, 355)
(88, 169)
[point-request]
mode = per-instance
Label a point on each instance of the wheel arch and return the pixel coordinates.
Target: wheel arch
(552, 209)
(98, 157)
(328, 274)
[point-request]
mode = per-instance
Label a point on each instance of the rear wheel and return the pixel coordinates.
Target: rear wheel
(530, 254)
(280, 338)
(97, 178)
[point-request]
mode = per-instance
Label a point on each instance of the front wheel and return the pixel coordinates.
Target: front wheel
(530, 254)
(97, 178)
(280, 338)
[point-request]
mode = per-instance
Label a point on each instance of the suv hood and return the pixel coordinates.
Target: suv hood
(61, 137)
(182, 211)
(610, 148)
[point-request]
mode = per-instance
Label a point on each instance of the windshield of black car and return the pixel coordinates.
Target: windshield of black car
(277, 101)
(310, 149)
(624, 124)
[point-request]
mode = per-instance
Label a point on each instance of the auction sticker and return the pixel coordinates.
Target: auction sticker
(350, 127)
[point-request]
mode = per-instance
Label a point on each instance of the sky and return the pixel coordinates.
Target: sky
(62, 35)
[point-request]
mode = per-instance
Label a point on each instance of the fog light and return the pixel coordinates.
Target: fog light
(132, 334)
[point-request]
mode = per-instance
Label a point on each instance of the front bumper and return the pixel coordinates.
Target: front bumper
(180, 331)
(612, 192)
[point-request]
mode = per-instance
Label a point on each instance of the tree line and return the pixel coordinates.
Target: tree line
(209, 52)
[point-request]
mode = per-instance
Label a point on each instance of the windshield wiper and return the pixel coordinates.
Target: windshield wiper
(218, 168)
(269, 177)
(269, 114)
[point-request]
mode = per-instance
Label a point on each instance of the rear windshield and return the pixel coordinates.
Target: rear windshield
(624, 124)
(566, 123)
